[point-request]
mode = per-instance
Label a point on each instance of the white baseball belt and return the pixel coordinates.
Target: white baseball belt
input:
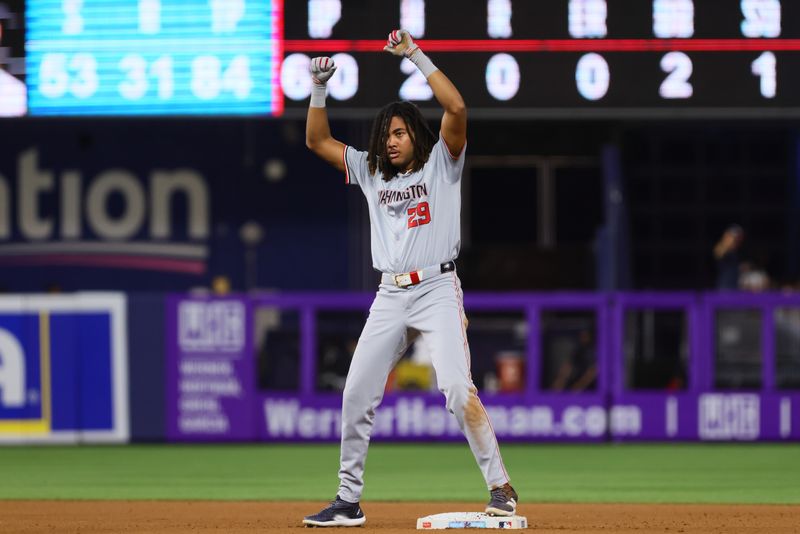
(415, 277)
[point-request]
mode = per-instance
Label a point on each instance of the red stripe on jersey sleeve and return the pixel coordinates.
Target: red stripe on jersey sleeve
(344, 162)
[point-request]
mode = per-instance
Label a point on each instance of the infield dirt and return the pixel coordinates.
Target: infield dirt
(168, 517)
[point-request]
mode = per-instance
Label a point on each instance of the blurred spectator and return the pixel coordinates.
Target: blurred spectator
(789, 287)
(726, 252)
(787, 347)
(738, 357)
(579, 371)
(277, 335)
(753, 278)
(414, 371)
(334, 363)
(220, 285)
(510, 370)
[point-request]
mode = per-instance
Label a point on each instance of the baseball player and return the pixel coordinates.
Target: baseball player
(411, 180)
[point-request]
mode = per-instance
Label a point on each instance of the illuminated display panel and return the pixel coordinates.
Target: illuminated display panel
(13, 94)
(559, 58)
(510, 58)
(154, 57)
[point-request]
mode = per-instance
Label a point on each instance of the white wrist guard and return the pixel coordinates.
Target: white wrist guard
(318, 91)
(423, 63)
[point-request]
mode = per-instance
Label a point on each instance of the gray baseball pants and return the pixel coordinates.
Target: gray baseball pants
(434, 308)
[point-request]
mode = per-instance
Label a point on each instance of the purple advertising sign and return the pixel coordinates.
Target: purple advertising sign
(727, 416)
(212, 393)
(662, 416)
(210, 370)
(414, 417)
(712, 416)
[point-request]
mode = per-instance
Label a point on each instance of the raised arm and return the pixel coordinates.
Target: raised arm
(318, 131)
(454, 120)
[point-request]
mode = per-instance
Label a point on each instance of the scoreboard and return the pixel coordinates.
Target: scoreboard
(153, 57)
(560, 58)
(509, 58)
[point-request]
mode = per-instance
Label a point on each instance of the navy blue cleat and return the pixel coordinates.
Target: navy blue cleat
(339, 513)
(503, 501)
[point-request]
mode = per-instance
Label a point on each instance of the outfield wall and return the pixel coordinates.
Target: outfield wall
(213, 393)
(109, 367)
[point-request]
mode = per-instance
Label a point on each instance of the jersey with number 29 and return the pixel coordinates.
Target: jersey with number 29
(415, 218)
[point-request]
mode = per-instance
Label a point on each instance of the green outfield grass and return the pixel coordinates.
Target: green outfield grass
(679, 473)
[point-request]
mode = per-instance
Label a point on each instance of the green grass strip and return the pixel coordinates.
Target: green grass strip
(653, 473)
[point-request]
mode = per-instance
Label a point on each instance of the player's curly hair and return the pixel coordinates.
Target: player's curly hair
(422, 137)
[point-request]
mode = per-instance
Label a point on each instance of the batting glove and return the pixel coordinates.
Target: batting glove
(322, 68)
(401, 44)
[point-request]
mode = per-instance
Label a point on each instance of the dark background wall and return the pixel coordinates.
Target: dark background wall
(302, 208)
(533, 200)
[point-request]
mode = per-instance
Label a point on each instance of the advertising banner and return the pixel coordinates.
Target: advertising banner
(653, 417)
(415, 417)
(210, 370)
(63, 369)
(729, 416)
(212, 391)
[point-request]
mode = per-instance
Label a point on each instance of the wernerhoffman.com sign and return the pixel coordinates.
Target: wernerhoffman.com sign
(427, 417)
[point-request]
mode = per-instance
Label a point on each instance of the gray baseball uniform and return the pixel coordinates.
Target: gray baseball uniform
(415, 224)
